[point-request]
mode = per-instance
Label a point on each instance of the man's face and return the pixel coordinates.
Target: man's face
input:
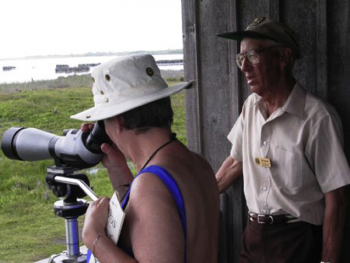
(263, 76)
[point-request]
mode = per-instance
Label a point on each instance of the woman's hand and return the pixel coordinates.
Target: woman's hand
(95, 220)
(94, 234)
(113, 158)
(115, 162)
(87, 127)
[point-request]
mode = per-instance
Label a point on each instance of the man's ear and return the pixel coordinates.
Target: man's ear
(286, 55)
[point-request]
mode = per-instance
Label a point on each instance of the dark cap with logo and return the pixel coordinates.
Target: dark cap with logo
(267, 29)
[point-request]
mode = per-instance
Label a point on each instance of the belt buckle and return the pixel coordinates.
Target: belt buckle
(264, 216)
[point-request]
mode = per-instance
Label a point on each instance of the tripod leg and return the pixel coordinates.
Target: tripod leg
(72, 237)
(72, 255)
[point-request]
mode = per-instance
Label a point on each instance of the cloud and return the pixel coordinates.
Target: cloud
(52, 27)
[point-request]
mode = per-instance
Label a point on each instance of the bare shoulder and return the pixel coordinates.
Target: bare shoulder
(154, 229)
(184, 159)
(199, 188)
(203, 160)
(148, 188)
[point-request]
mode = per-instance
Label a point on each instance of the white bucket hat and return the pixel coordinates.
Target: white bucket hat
(126, 83)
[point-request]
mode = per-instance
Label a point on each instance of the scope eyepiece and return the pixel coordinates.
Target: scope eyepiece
(97, 137)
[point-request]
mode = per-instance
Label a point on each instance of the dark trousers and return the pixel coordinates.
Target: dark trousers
(286, 243)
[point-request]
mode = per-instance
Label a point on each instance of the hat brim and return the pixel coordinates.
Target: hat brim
(239, 35)
(105, 112)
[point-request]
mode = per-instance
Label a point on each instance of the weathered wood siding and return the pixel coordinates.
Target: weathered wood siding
(215, 102)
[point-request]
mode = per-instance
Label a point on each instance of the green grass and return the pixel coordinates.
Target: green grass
(29, 229)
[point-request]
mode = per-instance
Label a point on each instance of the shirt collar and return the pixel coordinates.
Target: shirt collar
(295, 103)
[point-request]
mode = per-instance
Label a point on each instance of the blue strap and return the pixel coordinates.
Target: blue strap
(174, 189)
(88, 256)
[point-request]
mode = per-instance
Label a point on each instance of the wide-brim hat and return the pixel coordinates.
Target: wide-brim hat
(268, 29)
(125, 83)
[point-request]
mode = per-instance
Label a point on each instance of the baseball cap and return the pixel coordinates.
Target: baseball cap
(125, 83)
(266, 28)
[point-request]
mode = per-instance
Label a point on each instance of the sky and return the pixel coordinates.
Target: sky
(62, 27)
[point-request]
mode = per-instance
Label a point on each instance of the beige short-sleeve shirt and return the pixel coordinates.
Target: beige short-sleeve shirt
(304, 142)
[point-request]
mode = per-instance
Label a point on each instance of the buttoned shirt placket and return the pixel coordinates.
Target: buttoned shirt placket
(265, 139)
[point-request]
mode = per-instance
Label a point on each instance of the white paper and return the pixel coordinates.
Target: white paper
(115, 222)
(115, 219)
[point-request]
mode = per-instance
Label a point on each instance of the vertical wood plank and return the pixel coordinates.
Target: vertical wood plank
(236, 85)
(237, 209)
(192, 71)
(225, 220)
(274, 10)
(321, 48)
(338, 21)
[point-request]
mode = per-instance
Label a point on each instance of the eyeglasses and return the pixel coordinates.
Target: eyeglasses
(251, 55)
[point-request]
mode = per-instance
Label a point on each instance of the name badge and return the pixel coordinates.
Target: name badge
(263, 162)
(115, 219)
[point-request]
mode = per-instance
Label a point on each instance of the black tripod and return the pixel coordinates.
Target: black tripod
(69, 186)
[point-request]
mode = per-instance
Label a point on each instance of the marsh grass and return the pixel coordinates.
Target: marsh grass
(29, 229)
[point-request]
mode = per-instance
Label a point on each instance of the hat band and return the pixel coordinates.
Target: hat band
(121, 96)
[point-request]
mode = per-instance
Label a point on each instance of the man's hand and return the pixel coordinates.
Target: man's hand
(334, 222)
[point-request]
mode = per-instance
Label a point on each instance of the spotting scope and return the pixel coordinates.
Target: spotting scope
(75, 148)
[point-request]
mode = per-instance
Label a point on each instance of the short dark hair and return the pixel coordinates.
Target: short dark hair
(155, 114)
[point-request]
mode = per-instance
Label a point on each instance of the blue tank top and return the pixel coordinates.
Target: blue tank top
(174, 189)
(171, 184)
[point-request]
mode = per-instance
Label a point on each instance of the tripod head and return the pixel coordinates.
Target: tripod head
(65, 183)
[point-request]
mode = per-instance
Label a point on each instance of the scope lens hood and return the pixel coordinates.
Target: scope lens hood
(8, 143)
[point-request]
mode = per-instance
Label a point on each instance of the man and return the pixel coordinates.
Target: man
(288, 145)
(172, 206)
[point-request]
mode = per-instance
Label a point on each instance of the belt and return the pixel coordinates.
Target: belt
(272, 219)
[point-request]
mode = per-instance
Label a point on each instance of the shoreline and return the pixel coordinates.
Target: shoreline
(175, 74)
(72, 81)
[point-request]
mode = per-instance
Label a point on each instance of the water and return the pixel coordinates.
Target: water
(28, 70)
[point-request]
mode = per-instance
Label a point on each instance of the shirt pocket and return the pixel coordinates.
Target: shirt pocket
(287, 170)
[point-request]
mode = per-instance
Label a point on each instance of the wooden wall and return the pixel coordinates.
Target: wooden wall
(215, 102)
